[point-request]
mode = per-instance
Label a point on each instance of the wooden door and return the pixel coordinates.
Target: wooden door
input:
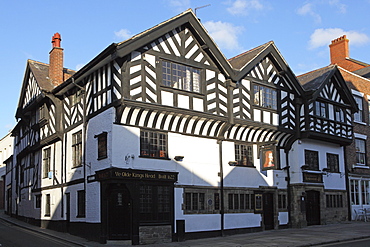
(268, 211)
(313, 207)
(119, 213)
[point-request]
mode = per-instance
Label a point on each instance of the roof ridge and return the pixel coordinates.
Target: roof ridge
(316, 70)
(253, 49)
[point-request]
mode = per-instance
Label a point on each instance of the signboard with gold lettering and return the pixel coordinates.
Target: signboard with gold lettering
(312, 177)
(117, 173)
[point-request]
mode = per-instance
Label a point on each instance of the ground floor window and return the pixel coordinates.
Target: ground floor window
(334, 200)
(240, 201)
(282, 201)
(155, 203)
(360, 192)
(47, 205)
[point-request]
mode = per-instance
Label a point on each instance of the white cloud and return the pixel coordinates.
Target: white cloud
(307, 9)
(323, 37)
(79, 66)
(123, 34)
(243, 7)
(342, 8)
(179, 5)
(225, 34)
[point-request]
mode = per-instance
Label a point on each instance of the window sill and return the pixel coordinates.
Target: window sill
(158, 158)
(103, 157)
(74, 167)
(358, 122)
(360, 166)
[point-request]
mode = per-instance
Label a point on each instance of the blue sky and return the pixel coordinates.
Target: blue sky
(301, 30)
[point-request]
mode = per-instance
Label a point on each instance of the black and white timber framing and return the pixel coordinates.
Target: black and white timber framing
(120, 92)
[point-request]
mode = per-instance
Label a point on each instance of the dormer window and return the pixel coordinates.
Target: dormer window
(180, 76)
(265, 97)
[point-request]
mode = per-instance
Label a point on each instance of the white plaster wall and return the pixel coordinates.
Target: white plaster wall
(297, 159)
(242, 220)
(73, 201)
(93, 202)
(97, 125)
(283, 218)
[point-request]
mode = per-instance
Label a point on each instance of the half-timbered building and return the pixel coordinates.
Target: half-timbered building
(161, 138)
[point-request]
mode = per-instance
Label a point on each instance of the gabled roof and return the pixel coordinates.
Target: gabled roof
(313, 80)
(41, 73)
(235, 68)
(313, 83)
(239, 61)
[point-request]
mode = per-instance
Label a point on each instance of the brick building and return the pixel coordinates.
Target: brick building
(356, 75)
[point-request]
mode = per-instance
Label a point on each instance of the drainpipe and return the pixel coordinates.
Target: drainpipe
(346, 171)
(287, 168)
(221, 175)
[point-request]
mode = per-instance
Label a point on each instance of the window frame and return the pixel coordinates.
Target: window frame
(47, 205)
(102, 145)
(46, 162)
(77, 149)
(330, 157)
(153, 144)
(155, 203)
(175, 75)
(308, 157)
(360, 153)
(260, 98)
(359, 116)
(244, 155)
(321, 109)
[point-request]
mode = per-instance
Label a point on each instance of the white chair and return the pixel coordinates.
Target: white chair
(360, 214)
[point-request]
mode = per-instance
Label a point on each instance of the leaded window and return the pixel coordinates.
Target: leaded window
(46, 158)
(180, 76)
(244, 155)
(153, 144)
(332, 161)
(77, 149)
(265, 97)
(321, 109)
(311, 159)
(155, 203)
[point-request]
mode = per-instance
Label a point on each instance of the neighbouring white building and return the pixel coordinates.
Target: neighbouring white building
(161, 138)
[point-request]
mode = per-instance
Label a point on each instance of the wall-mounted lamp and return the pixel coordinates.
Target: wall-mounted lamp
(179, 158)
(305, 167)
(326, 171)
(233, 163)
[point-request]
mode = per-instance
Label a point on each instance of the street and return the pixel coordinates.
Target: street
(352, 243)
(14, 236)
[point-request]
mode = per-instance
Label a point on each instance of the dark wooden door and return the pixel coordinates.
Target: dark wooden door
(119, 213)
(313, 207)
(268, 211)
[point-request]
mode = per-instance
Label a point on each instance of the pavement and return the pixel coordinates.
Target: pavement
(299, 237)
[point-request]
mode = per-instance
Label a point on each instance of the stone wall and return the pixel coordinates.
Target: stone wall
(155, 234)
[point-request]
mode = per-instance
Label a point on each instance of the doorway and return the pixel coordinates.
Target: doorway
(313, 207)
(268, 210)
(119, 213)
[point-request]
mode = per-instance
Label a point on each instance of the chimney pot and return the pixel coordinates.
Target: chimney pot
(56, 74)
(55, 40)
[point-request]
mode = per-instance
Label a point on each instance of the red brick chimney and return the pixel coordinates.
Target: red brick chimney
(56, 61)
(339, 50)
